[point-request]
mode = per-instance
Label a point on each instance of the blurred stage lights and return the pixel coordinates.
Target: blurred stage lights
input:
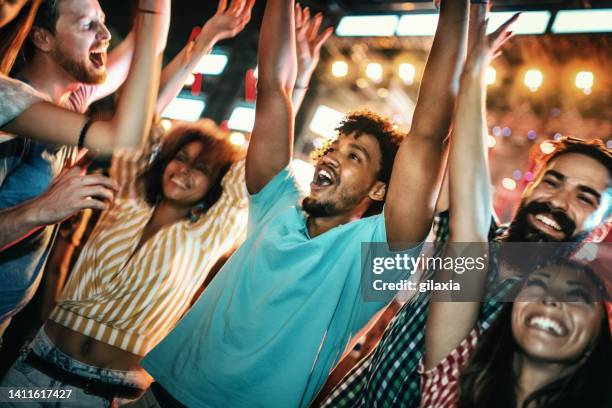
(190, 80)
(583, 21)
(406, 72)
(211, 64)
(237, 139)
(547, 147)
(508, 183)
(374, 71)
(533, 22)
(533, 79)
(490, 76)
(584, 81)
(325, 120)
(367, 26)
(528, 23)
(165, 124)
(184, 109)
(339, 69)
(242, 119)
(492, 142)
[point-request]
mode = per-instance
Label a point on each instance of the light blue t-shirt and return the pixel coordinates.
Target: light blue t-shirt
(274, 321)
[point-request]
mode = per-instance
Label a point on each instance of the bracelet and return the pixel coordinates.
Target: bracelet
(140, 10)
(83, 133)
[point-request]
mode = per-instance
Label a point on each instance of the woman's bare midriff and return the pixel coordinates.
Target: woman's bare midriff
(91, 351)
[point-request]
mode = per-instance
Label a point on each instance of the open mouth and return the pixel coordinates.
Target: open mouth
(97, 58)
(548, 325)
(324, 177)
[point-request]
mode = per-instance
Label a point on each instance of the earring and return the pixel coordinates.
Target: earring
(196, 212)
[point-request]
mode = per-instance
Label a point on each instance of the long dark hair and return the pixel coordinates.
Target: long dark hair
(489, 379)
(14, 34)
(217, 151)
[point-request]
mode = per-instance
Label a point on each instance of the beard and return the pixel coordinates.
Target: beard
(542, 247)
(343, 204)
(78, 69)
(521, 229)
(318, 209)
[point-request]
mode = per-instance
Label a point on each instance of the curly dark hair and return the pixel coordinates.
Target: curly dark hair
(217, 151)
(386, 133)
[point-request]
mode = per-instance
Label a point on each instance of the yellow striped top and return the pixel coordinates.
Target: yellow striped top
(132, 303)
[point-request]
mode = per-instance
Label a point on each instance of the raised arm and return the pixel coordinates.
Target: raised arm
(308, 43)
(132, 119)
(271, 144)
(226, 23)
(121, 57)
(418, 168)
(448, 323)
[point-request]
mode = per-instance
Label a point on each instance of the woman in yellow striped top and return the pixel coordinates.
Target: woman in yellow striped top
(177, 212)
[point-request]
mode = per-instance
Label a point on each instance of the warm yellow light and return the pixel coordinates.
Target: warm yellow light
(490, 76)
(339, 69)
(407, 72)
(547, 147)
(492, 142)
(165, 124)
(584, 81)
(508, 183)
(534, 79)
(374, 71)
(237, 139)
(190, 80)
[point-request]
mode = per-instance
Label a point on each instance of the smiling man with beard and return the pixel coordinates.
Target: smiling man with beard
(66, 63)
(570, 200)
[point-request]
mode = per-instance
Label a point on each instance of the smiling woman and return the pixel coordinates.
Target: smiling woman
(557, 328)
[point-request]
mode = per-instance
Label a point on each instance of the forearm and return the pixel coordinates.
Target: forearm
(469, 180)
(175, 74)
(297, 97)
(17, 223)
(271, 144)
(440, 82)
(277, 59)
(132, 120)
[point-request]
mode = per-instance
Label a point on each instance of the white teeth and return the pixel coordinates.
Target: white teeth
(326, 174)
(549, 222)
(547, 324)
(178, 182)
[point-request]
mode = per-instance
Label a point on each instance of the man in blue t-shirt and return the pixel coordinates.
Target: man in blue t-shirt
(275, 320)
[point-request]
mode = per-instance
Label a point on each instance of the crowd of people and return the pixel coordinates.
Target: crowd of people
(210, 279)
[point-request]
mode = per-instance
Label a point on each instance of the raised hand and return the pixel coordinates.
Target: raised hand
(228, 21)
(308, 43)
(487, 47)
(72, 192)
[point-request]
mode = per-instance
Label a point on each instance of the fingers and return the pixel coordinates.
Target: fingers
(322, 38)
(299, 20)
(235, 6)
(92, 203)
(222, 6)
(97, 179)
(504, 27)
(313, 30)
(97, 191)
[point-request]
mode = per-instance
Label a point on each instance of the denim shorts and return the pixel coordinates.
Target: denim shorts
(22, 375)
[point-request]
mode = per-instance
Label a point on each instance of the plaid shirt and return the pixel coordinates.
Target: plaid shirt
(389, 376)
